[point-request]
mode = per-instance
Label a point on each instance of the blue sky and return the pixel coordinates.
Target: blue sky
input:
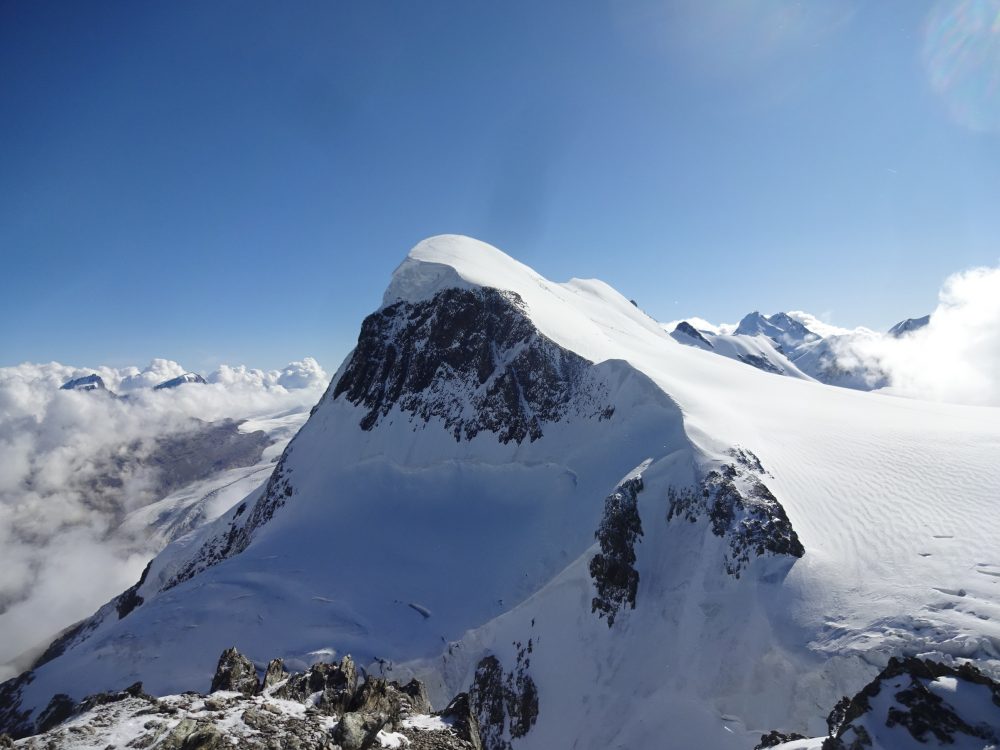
(235, 182)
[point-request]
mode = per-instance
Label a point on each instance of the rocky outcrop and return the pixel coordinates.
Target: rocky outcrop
(504, 704)
(775, 738)
(613, 568)
(330, 687)
(761, 363)
(741, 510)
(913, 702)
(321, 709)
(934, 703)
(472, 359)
(236, 673)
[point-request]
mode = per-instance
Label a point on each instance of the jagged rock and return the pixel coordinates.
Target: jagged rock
(487, 699)
(925, 714)
(774, 738)
(460, 715)
(274, 674)
(236, 673)
(357, 731)
(336, 684)
(521, 694)
(100, 699)
(503, 705)
(741, 510)
(378, 696)
(417, 694)
(613, 568)
(264, 720)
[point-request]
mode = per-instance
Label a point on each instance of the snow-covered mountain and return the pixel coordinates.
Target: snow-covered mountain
(531, 491)
(188, 377)
(783, 345)
(92, 382)
(910, 324)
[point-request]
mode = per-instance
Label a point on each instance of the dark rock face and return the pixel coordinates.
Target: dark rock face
(761, 363)
(741, 509)
(235, 672)
(774, 738)
(504, 705)
(274, 674)
(462, 349)
(613, 568)
(925, 714)
(358, 731)
(130, 599)
(460, 715)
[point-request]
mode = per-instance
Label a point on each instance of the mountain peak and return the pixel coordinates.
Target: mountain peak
(456, 261)
(188, 377)
(92, 382)
(909, 325)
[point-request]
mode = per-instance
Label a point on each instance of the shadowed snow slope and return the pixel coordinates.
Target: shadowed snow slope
(441, 505)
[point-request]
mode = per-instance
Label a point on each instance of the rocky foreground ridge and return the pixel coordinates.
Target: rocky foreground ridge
(328, 707)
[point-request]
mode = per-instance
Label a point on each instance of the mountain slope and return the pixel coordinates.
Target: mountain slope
(530, 490)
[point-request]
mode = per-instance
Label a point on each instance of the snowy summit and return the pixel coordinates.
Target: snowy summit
(594, 531)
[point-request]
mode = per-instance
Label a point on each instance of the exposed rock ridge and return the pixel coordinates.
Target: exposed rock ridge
(324, 708)
(935, 704)
(505, 704)
(474, 360)
(613, 568)
(741, 509)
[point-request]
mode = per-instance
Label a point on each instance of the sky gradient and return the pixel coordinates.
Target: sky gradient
(235, 182)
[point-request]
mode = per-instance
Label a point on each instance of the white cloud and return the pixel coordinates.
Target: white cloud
(956, 356)
(67, 477)
(820, 326)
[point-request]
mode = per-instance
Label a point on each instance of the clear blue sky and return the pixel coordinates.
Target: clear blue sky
(235, 181)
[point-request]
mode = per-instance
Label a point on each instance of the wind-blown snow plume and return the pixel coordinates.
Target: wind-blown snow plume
(72, 464)
(956, 356)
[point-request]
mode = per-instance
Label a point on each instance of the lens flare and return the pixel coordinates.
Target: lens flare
(962, 56)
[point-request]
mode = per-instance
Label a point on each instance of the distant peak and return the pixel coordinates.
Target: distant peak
(92, 382)
(909, 326)
(188, 377)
